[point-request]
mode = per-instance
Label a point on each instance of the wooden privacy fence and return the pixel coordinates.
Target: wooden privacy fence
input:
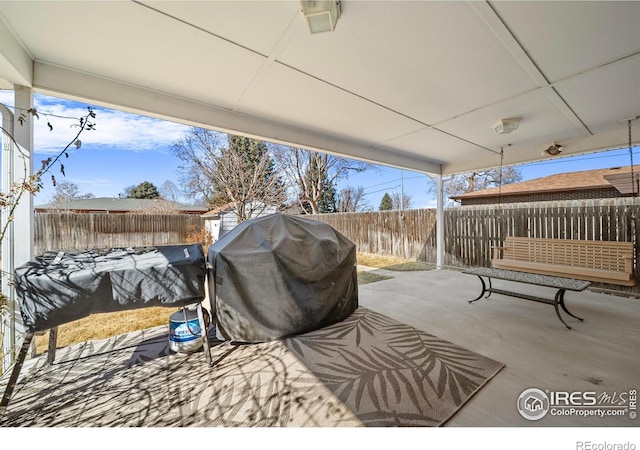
(71, 231)
(471, 231)
(404, 234)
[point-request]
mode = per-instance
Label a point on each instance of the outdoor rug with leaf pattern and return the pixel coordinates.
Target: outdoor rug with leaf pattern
(368, 370)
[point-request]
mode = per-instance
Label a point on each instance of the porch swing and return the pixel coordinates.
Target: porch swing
(607, 262)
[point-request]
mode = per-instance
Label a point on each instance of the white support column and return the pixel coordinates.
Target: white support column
(24, 216)
(17, 245)
(439, 222)
(7, 241)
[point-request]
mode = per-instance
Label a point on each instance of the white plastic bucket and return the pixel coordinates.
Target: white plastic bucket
(185, 332)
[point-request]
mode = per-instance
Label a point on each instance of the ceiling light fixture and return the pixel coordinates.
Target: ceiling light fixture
(553, 150)
(321, 16)
(506, 126)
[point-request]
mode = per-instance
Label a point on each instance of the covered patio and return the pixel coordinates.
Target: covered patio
(434, 87)
(596, 355)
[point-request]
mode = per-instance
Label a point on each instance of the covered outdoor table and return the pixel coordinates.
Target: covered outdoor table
(60, 287)
(278, 276)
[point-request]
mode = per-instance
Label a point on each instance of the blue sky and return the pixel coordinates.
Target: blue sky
(126, 149)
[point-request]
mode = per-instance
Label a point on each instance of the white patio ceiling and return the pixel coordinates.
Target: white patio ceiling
(414, 84)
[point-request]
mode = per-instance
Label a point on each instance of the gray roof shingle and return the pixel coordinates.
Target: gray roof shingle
(121, 205)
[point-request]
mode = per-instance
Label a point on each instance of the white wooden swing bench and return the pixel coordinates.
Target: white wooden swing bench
(562, 264)
(599, 261)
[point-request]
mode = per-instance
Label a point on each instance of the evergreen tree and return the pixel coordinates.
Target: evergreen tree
(144, 190)
(328, 201)
(386, 204)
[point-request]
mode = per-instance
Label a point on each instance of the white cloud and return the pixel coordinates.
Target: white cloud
(113, 129)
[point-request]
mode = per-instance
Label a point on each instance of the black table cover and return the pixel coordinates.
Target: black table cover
(59, 287)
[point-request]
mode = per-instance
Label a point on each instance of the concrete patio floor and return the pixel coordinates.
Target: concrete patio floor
(597, 356)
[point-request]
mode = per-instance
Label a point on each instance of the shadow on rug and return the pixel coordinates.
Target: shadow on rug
(368, 370)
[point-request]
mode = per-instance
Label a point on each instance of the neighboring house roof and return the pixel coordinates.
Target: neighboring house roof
(119, 205)
(219, 210)
(586, 179)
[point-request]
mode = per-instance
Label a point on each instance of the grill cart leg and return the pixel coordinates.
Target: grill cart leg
(205, 335)
(15, 372)
(53, 341)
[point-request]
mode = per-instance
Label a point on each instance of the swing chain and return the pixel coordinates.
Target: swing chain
(633, 180)
(500, 237)
(500, 176)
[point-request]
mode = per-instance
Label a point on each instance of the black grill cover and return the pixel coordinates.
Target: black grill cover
(278, 276)
(56, 288)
